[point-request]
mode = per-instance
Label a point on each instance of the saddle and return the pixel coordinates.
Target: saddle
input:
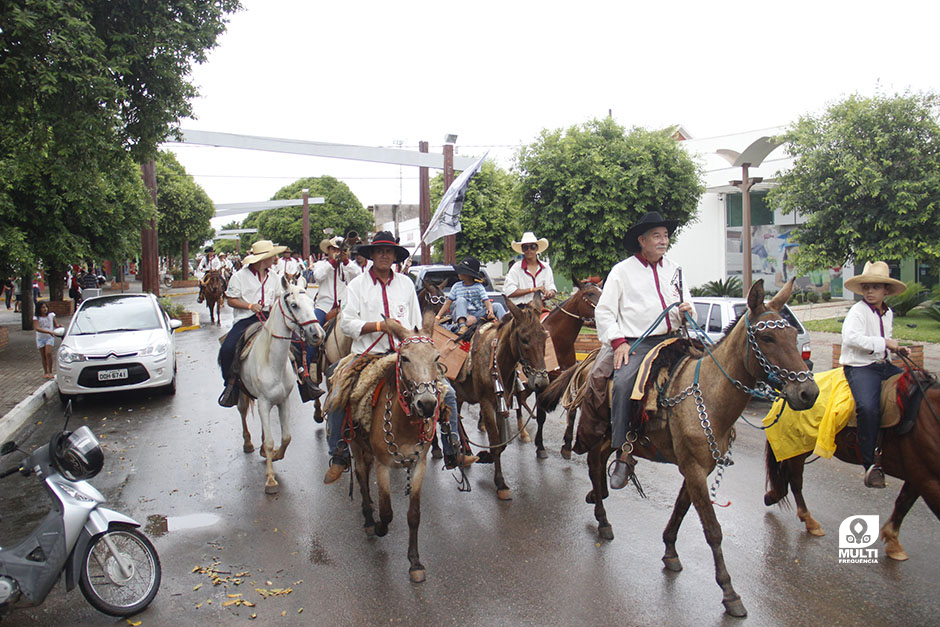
(353, 382)
(900, 401)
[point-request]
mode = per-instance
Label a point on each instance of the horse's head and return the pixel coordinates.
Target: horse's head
(299, 311)
(431, 297)
(773, 355)
(417, 368)
(584, 301)
(527, 338)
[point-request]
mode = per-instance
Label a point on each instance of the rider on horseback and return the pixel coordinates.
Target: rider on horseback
(636, 292)
(866, 340)
(248, 294)
(332, 275)
(208, 264)
(371, 298)
(530, 275)
(469, 298)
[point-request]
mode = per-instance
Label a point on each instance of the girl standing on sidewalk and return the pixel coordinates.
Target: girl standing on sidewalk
(44, 323)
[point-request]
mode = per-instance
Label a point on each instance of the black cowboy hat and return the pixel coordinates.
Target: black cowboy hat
(209, 249)
(469, 266)
(384, 238)
(650, 221)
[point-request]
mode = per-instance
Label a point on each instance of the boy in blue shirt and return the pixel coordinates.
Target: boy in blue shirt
(469, 298)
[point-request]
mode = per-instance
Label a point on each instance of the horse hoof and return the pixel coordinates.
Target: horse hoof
(899, 556)
(770, 498)
(606, 532)
(589, 498)
(816, 531)
(271, 489)
(566, 452)
(248, 448)
(673, 564)
(525, 438)
(541, 454)
(318, 417)
(417, 575)
(504, 494)
(381, 530)
(735, 608)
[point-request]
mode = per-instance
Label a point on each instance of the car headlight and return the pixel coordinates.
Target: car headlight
(155, 349)
(68, 356)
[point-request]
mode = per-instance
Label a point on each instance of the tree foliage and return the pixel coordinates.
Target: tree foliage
(866, 174)
(230, 245)
(184, 209)
(341, 212)
(490, 216)
(584, 187)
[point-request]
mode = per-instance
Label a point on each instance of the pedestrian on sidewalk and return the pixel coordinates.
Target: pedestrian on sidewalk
(8, 290)
(44, 324)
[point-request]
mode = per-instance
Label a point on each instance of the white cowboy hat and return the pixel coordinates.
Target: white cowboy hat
(877, 272)
(262, 249)
(336, 242)
(529, 238)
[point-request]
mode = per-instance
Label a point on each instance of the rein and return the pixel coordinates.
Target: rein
(588, 321)
(287, 315)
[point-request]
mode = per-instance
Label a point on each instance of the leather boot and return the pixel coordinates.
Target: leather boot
(229, 396)
(622, 471)
(337, 467)
(200, 298)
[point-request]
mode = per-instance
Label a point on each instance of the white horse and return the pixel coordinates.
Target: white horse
(336, 346)
(267, 374)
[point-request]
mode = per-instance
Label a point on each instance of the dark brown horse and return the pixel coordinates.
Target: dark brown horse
(759, 346)
(213, 292)
(496, 352)
(563, 324)
(431, 297)
(914, 458)
(402, 426)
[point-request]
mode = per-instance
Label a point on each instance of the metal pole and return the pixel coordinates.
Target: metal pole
(424, 204)
(306, 227)
(450, 241)
(746, 273)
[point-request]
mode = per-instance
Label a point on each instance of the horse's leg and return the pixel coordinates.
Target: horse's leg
(597, 469)
(671, 532)
(569, 434)
(520, 423)
(385, 499)
(267, 445)
(796, 466)
(283, 413)
(363, 464)
(218, 312)
(488, 416)
(243, 406)
(416, 571)
(696, 485)
(540, 451)
(892, 527)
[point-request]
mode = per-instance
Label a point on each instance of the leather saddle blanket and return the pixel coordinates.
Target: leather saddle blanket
(475, 340)
(353, 383)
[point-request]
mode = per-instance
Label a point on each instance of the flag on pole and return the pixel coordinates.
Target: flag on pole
(446, 219)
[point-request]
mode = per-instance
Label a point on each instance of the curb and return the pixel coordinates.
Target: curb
(181, 329)
(25, 409)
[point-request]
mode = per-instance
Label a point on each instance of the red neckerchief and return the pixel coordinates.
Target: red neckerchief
(649, 264)
(375, 280)
(525, 269)
(880, 312)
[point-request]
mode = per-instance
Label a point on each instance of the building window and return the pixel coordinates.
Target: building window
(761, 213)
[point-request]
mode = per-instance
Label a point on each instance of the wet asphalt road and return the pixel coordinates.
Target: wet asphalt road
(176, 465)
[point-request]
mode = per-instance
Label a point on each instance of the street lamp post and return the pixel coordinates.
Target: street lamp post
(306, 225)
(450, 241)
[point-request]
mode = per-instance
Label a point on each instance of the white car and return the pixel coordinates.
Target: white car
(114, 343)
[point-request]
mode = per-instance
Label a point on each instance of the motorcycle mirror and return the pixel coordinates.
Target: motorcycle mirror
(8, 447)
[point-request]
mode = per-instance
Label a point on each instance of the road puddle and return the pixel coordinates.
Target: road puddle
(158, 524)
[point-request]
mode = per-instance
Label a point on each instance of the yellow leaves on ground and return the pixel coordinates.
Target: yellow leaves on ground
(273, 592)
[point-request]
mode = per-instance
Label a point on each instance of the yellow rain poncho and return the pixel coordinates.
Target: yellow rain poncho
(814, 429)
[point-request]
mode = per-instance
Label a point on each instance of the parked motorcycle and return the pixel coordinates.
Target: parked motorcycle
(167, 280)
(117, 568)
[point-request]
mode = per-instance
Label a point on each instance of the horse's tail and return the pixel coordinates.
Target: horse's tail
(778, 479)
(549, 397)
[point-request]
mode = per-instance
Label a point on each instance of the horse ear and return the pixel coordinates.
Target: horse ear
(577, 283)
(755, 297)
(537, 303)
(427, 323)
(777, 302)
(284, 283)
(395, 328)
(513, 309)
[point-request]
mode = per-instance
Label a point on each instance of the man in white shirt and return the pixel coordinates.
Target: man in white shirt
(291, 267)
(209, 263)
(636, 292)
(529, 275)
(250, 292)
(866, 340)
(332, 275)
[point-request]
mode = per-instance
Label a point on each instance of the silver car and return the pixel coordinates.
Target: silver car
(113, 343)
(714, 313)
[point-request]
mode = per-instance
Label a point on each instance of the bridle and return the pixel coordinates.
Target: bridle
(584, 320)
(776, 376)
(434, 300)
(289, 315)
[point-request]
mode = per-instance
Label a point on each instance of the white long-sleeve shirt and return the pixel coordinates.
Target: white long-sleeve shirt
(635, 293)
(332, 282)
(246, 285)
(863, 335)
(520, 276)
(368, 299)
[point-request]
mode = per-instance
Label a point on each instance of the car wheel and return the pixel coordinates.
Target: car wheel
(171, 386)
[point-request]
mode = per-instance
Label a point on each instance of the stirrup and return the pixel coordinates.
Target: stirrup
(229, 396)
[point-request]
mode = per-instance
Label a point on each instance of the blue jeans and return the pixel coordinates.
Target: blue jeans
(461, 309)
(227, 350)
(321, 316)
(865, 383)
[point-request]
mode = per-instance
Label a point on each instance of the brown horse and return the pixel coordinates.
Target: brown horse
(402, 425)
(913, 458)
(563, 324)
(496, 352)
(759, 346)
(213, 291)
(431, 297)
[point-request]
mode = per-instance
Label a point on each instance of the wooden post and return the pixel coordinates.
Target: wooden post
(149, 269)
(424, 206)
(450, 241)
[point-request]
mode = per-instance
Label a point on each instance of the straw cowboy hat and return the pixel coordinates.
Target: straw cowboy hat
(651, 220)
(336, 242)
(384, 238)
(469, 266)
(262, 249)
(877, 272)
(529, 238)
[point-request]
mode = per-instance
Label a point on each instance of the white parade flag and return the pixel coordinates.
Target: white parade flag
(446, 219)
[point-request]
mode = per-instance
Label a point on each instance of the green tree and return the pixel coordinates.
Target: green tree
(184, 209)
(866, 175)
(490, 216)
(584, 187)
(341, 212)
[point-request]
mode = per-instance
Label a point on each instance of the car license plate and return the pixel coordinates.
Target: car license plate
(112, 375)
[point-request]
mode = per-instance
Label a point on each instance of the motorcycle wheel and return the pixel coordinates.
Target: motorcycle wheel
(108, 589)
(168, 282)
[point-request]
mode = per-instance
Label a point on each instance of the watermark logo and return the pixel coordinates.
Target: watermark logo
(856, 534)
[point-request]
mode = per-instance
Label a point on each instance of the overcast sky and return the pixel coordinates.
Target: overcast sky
(497, 73)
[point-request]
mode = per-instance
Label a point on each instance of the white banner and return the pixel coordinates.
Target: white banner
(446, 219)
